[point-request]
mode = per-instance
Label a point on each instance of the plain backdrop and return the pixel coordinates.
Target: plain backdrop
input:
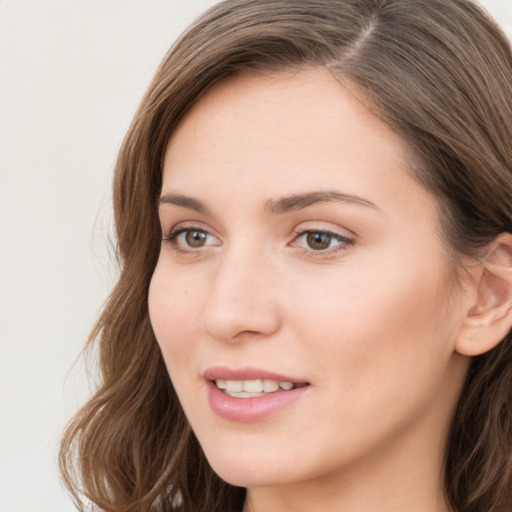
(71, 76)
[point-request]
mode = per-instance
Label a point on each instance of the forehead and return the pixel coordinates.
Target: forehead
(288, 107)
(285, 133)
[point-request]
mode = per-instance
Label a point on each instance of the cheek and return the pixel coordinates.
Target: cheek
(370, 327)
(378, 346)
(174, 315)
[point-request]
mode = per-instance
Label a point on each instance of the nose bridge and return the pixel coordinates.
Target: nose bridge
(240, 296)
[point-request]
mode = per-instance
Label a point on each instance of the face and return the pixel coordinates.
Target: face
(299, 252)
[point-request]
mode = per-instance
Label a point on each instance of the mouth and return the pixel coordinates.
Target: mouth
(251, 394)
(250, 382)
(254, 388)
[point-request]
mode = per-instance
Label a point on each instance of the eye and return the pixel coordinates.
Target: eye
(189, 239)
(321, 241)
(318, 241)
(194, 238)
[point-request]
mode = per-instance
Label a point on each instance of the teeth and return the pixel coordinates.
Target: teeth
(244, 394)
(252, 388)
(221, 383)
(270, 385)
(234, 386)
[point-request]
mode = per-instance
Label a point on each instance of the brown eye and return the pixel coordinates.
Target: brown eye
(318, 241)
(195, 239)
(322, 243)
(191, 239)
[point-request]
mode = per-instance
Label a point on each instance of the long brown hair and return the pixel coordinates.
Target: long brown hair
(439, 72)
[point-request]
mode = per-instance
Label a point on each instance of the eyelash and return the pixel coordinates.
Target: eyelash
(344, 242)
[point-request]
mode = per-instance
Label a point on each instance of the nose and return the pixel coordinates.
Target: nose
(242, 302)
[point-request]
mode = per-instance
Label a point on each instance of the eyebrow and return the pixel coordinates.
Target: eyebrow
(276, 206)
(300, 201)
(185, 202)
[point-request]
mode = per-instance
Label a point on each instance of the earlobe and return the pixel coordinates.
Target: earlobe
(489, 319)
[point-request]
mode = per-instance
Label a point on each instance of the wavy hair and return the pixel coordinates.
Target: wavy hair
(439, 72)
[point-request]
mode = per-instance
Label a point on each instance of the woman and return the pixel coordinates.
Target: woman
(315, 301)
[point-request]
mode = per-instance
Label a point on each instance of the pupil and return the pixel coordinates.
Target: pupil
(195, 238)
(318, 241)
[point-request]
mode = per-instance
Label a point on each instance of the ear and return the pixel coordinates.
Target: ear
(489, 317)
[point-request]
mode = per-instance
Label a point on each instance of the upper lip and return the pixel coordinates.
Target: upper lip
(247, 373)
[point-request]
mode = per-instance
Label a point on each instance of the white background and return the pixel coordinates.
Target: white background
(71, 76)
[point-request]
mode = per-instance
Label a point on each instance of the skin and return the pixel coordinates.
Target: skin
(370, 323)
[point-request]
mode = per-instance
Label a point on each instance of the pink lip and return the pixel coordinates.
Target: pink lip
(248, 373)
(247, 410)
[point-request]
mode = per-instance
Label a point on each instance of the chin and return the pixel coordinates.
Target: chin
(246, 471)
(247, 477)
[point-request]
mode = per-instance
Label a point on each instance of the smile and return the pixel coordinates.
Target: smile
(250, 395)
(252, 388)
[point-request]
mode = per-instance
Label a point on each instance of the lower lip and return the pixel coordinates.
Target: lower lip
(247, 410)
